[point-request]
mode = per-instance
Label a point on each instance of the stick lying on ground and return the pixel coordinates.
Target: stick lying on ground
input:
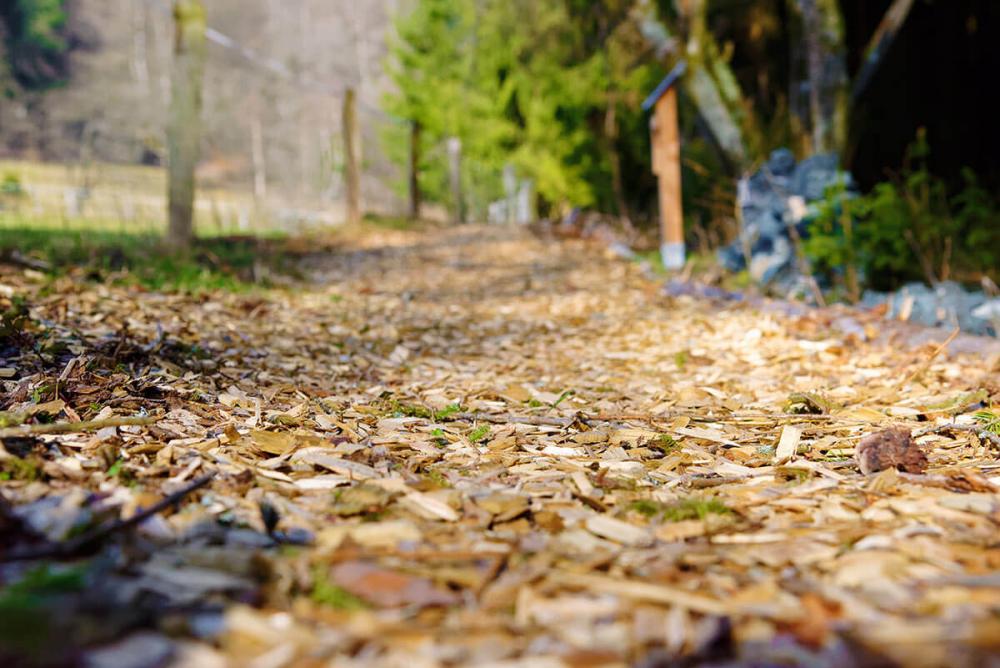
(74, 427)
(983, 433)
(71, 547)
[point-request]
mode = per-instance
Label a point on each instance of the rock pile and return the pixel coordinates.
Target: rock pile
(774, 202)
(947, 305)
(781, 200)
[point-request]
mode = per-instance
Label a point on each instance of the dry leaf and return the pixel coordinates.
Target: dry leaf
(892, 448)
(386, 588)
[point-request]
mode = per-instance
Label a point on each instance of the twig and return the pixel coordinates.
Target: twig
(494, 570)
(939, 481)
(930, 360)
(74, 427)
(983, 433)
(544, 420)
(925, 262)
(537, 420)
(19, 259)
(642, 591)
(73, 546)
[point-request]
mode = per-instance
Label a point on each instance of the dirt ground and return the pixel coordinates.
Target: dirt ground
(476, 447)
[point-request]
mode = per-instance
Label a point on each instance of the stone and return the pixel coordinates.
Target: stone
(946, 305)
(779, 195)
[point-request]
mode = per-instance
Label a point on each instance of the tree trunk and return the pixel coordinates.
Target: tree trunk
(184, 131)
(709, 82)
(352, 168)
(611, 134)
(880, 42)
(455, 178)
(415, 170)
(259, 161)
(826, 65)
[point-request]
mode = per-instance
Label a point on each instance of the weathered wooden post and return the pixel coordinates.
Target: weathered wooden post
(666, 143)
(510, 192)
(415, 170)
(455, 177)
(257, 156)
(352, 151)
(184, 125)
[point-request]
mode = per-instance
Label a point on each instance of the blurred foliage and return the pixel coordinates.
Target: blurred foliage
(529, 82)
(27, 629)
(11, 186)
(908, 228)
(34, 42)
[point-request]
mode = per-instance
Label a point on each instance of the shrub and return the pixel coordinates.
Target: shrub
(911, 227)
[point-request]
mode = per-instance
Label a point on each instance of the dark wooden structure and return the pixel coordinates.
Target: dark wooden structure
(666, 143)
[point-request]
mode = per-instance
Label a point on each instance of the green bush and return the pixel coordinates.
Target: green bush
(11, 186)
(912, 227)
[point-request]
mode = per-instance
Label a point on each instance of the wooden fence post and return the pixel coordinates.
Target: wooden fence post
(415, 170)
(455, 173)
(510, 192)
(352, 158)
(667, 152)
(184, 125)
(259, 161)
(665, 138)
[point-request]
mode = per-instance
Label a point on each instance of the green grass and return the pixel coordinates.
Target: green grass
(218, 263)
(326, 593)
(646, 507)
(989, 421)
(665, 443)
(448, 411)
(437, 479)
(397, 223)
(691, 508)
(479, 433)
(400, 409)
(16, 468)
(27, 606)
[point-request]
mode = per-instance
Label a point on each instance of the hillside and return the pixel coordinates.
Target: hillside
(113, 104)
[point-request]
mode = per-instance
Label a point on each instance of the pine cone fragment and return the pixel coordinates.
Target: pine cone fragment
(892, 448)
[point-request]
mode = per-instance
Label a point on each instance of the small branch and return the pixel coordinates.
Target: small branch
(74, 427)
(939, 481)
(879, 44)
(930, 360)
(926, 265)
(537, 420)
(77, 544)
(542, 420)
(20, 260)
(982, 433)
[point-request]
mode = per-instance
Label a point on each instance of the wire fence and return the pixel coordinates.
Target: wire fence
(272, 148)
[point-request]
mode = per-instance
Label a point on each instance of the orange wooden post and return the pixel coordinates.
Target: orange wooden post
(666, 144)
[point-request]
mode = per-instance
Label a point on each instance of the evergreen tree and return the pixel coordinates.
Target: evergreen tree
(35, 47)
(529, 82)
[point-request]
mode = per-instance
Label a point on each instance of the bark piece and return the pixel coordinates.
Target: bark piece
(892, 448)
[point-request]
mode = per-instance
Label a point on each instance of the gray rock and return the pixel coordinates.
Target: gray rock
(780, 194)
(946, 305)
(990, 312)
(781, 162)
(139, 650)
(817, 173)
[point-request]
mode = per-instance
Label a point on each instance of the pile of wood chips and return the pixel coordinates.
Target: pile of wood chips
(470, 447)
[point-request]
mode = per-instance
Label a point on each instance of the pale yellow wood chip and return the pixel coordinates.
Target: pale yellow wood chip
(789, 441)
(642, 591)
(617, 530)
